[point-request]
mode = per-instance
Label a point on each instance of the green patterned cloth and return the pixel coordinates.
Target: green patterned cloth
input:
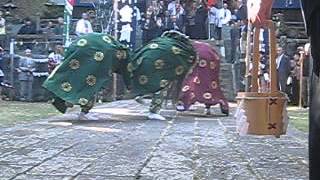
(163, 60)
(88, 66)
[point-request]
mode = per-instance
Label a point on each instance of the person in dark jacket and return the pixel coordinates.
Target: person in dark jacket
(200, 22)
(28, 27)
(283, 69)
(312, 16)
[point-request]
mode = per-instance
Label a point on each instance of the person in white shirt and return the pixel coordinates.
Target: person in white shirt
(83, 25)
(2, 24)
(55, 57)
(212, 21)
(283, 69)
(172, 7)
(223, 17)
(175, 9)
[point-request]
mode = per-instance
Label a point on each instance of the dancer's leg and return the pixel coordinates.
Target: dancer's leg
(155, 106)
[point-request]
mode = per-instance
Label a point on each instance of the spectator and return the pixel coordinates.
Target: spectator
(212, 22)
(242, 16)
(242, 11)
(191, 22)
(172, 7)
(2, 24)
(83, 25)
(2, 30)
(49, 29)
(55, 58)
(166, 21)
(200, 22)
(159, 27)
(25, 70)
(148, 26)
(295, 79)
(173, 25)
(58, 30)
(1, 82)
(28, 27)
(234, 16)
(180, 17)
(224, 17)
(283, 69)
(306, 59)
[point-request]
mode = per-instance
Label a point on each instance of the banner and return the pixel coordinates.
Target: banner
(68, 8)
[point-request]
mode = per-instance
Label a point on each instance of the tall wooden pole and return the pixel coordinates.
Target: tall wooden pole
(248, 58)
(116, 11)
(273, 66)
(255, 60)
(301, 79)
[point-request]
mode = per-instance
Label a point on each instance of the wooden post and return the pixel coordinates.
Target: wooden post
(12, 66)
(38, 25)
(273, 67)
(256, 59)
(301, 79)
(116, 11)
(248, 58)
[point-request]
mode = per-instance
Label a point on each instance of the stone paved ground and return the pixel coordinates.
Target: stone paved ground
(127, 146)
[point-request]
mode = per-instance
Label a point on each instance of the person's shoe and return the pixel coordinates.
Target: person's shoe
(207, 111)
(154, 116)
(68, 105)
(225, 111)
(140, 100)
(82, 116)
(180, 108)
(87, 117)
(22, 99)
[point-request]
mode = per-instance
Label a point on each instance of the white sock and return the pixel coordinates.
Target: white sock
(154, 116)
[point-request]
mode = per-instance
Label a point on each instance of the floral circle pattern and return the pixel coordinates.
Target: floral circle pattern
(213, 65)
(179, 70)
(107, 39)
(98, 56)
(139, 61)
(203, 63)
(175, 50)
(196, 80)
(164, 83)
(207, 95)
(158, 64)
(91, 80)
(185, 88)
(130, 67)
(74, 64)
(121, 54)
(214, 85)
(153, 46)
(191, 59)
(66, 86)
(143, 79)
(83, 101)
(82, 42)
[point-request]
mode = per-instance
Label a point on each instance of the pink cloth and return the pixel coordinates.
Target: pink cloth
(203, 85)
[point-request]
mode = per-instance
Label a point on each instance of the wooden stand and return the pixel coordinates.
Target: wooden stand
(263, 113)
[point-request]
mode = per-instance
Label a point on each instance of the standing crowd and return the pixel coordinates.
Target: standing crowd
(197, 19)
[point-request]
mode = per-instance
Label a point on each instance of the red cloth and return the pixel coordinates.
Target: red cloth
(212, 3)
(202, 85)
(259, 11)
(72, 2)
